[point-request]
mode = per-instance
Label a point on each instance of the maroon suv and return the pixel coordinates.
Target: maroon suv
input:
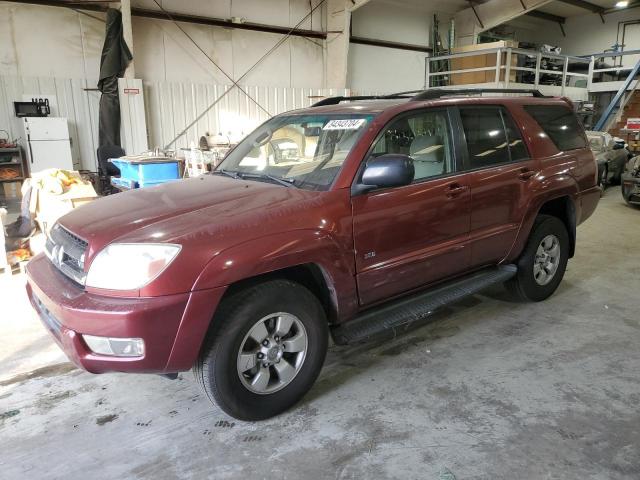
(354, 217)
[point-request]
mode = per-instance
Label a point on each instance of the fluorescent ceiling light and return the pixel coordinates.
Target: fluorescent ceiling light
(622, 4)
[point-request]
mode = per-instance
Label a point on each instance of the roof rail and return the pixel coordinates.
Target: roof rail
(434, 93)
(336, 100)
(431, 94)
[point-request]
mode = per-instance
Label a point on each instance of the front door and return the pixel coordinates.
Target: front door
(410, 236)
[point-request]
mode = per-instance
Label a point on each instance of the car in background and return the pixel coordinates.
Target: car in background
(611, 157)
(631, 182)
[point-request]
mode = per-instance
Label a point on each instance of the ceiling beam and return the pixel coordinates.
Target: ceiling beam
(592, 7)
(546, 16)
(99, 6)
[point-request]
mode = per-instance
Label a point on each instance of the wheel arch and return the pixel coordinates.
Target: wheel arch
(564, 209)
(310, 275)
(562, 206)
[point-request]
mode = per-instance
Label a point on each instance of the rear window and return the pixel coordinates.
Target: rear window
(560, 124)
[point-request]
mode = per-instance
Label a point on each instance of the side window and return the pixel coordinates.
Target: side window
(560, 124)
(486, 137)
(425, 138)
(517, 148)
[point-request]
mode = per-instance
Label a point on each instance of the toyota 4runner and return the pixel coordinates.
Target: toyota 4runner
(351, 218)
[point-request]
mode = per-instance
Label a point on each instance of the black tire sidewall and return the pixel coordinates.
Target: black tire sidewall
(229, 392)
(545, 225)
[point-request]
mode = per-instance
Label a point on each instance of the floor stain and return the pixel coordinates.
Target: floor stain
(8, 414)
(47, 402)
(106, 419)
(44, 372)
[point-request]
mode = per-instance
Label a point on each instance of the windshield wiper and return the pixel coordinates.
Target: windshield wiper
(228, 173)
(287, 182)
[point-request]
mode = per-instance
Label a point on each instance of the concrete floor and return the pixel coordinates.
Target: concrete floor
(487, 389)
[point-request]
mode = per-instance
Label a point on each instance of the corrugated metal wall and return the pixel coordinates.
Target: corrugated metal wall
(68, 98)
(172, 106)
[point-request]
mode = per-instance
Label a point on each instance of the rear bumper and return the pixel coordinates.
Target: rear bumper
(631, 188)
(172, 326)
(588, 202)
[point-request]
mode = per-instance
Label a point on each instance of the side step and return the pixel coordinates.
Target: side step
(400, 314)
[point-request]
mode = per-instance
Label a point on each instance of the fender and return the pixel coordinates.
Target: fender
(549, 188)
(334, 256)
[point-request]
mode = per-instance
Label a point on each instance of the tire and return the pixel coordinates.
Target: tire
(616, 179)
(526, 286)
(602, 181)
(234, 326)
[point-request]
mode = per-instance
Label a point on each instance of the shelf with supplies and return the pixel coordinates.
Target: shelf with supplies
(13, 169)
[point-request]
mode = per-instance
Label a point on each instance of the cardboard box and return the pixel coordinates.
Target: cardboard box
(12, 189)
(47, 207)
(480, 61)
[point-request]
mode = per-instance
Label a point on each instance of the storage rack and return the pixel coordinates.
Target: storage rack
(13, 159)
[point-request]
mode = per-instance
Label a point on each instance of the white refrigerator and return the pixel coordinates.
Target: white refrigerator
(48, 143)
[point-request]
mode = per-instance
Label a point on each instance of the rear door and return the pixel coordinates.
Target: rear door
(410, 236)
(500, 171)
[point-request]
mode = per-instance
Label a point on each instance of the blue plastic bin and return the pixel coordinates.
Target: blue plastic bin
(145, 173)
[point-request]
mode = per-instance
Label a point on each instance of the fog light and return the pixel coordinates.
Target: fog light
(117, 347)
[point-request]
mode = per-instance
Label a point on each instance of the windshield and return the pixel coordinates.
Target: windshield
(305, 151)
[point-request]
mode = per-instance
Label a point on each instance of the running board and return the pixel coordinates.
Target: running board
(400, 314)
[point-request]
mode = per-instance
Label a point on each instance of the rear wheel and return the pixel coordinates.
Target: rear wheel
(266, 350)
(543, 261)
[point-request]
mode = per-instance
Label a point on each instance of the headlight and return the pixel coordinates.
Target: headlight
(129, 266)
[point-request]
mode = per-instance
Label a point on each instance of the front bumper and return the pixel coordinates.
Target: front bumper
(631, 188)
(172, 326)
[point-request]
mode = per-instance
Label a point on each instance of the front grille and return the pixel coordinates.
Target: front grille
(66, 251)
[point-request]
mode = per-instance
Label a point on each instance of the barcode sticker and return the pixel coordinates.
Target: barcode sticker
(345, 124)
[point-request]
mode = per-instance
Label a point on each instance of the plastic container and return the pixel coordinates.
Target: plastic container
(147, 172)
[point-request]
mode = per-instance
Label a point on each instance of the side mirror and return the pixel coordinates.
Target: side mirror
(390, 170)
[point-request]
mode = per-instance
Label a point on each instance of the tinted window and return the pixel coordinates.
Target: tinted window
(425, 138)
(517, 148)
(560, 124)
(486, 138)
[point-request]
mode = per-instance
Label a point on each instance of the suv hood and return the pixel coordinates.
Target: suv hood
(192, 211)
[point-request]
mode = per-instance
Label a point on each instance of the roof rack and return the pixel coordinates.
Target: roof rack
(336, 100)
(431, 94)
(434, 93)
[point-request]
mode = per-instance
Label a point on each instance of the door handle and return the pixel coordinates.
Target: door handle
(526, 174)
(456, 189)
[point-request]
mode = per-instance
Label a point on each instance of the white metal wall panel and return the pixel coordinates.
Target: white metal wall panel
(72, 101)
(133, 123)
(171, 107)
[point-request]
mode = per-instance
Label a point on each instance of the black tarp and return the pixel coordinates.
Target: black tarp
(115, 58)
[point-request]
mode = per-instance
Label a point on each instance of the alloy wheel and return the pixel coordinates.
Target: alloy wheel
(272, 353)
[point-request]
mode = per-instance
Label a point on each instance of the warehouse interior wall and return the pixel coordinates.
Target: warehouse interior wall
(382, 69)
(40, 41)
(585, 34)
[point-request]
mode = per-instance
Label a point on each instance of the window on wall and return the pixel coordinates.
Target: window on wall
(423, 136)
(560, 124)
(492, 137)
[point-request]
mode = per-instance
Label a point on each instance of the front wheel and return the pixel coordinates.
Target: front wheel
(543, 261)
(265, 351)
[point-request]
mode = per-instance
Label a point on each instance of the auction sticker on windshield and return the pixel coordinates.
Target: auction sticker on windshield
(345, 124)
